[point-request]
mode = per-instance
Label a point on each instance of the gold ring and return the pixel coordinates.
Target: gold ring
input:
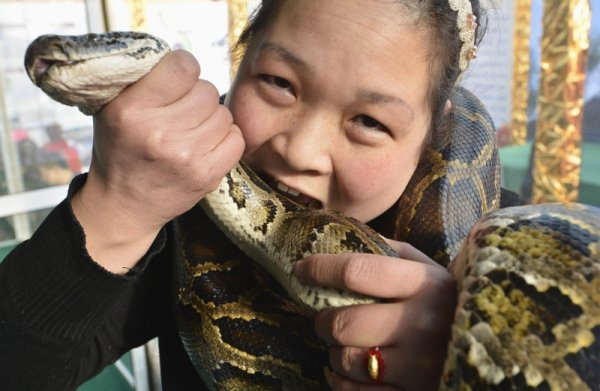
(375, 365)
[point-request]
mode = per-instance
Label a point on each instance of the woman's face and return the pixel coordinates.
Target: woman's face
(332, 103)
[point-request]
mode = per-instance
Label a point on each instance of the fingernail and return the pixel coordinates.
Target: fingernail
(327, 373)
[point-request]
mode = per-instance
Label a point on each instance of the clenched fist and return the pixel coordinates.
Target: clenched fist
(159, 147)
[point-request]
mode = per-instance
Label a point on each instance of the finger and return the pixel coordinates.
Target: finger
(372, 275)
(363, 325)
(208, 168)
(339, 383)
(173, 77)
(407, 251)
(395, 368)
(383, 324)
(226, 154)
(352, 363)
(195, 107)
(216, 128)
(190, 149)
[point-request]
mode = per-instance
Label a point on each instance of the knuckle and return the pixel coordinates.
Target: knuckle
(403, 247)
(182, 157)
(184, 66)
(427, 323)
(160, 147)
(355, 272)
(444, 283)
(226, 116)
(310, 271)
(340, 324)
(442, 292)
(154, 146)
(119, 116)
(209, 91)
(237, 139)
(346, 360)
(202, 173)
(206, 179)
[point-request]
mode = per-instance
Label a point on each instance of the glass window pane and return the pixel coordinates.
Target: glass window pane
(42, 143)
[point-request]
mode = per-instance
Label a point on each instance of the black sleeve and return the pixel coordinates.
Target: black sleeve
(510, 198)
(63, 317)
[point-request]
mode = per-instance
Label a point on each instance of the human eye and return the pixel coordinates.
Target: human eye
(277, 81)
(370, 123)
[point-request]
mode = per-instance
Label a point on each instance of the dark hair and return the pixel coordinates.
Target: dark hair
(435, 15)
(445, 45)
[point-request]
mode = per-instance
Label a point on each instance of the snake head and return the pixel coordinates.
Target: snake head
(89, 70)
(41, 54)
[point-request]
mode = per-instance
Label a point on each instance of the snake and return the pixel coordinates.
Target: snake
(528, 277)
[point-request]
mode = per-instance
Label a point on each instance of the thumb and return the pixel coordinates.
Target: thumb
(172, 78)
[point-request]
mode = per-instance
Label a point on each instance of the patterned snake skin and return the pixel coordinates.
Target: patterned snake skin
(529, 277)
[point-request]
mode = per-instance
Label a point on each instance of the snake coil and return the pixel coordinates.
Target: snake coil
(529, 277)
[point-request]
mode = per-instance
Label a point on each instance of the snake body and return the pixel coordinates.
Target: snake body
(529, 277)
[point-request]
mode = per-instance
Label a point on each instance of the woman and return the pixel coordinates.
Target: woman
(334, 104)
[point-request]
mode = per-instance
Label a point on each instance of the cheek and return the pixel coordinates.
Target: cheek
(381, 177)
(374, 184)
(250, 116)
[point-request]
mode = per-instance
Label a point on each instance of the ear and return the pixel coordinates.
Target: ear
(447, 107)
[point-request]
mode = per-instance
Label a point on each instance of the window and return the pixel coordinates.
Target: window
(43, 144)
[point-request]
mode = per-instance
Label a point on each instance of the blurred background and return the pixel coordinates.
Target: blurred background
(537, 71)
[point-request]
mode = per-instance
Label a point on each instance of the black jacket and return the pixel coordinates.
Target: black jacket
(63, 318)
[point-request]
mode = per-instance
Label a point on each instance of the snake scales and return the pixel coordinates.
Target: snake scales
(529, 277)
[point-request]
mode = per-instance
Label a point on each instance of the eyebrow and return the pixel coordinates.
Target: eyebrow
(284, 54)
(373, 97)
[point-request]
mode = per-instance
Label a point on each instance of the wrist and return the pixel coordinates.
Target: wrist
(116, 237)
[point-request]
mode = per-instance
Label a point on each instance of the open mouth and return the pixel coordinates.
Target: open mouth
(292, 193)
(39, 68)
(42, 66)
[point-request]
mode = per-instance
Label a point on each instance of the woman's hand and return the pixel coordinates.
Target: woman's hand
(411, 325)
(159, 147)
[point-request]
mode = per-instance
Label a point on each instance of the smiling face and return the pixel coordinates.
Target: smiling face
(332, 101)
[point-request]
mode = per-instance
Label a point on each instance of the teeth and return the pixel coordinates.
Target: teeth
(285, 189)
(282, 187)
(293, 192)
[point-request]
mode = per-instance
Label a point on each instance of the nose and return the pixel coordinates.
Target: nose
(307, 143)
